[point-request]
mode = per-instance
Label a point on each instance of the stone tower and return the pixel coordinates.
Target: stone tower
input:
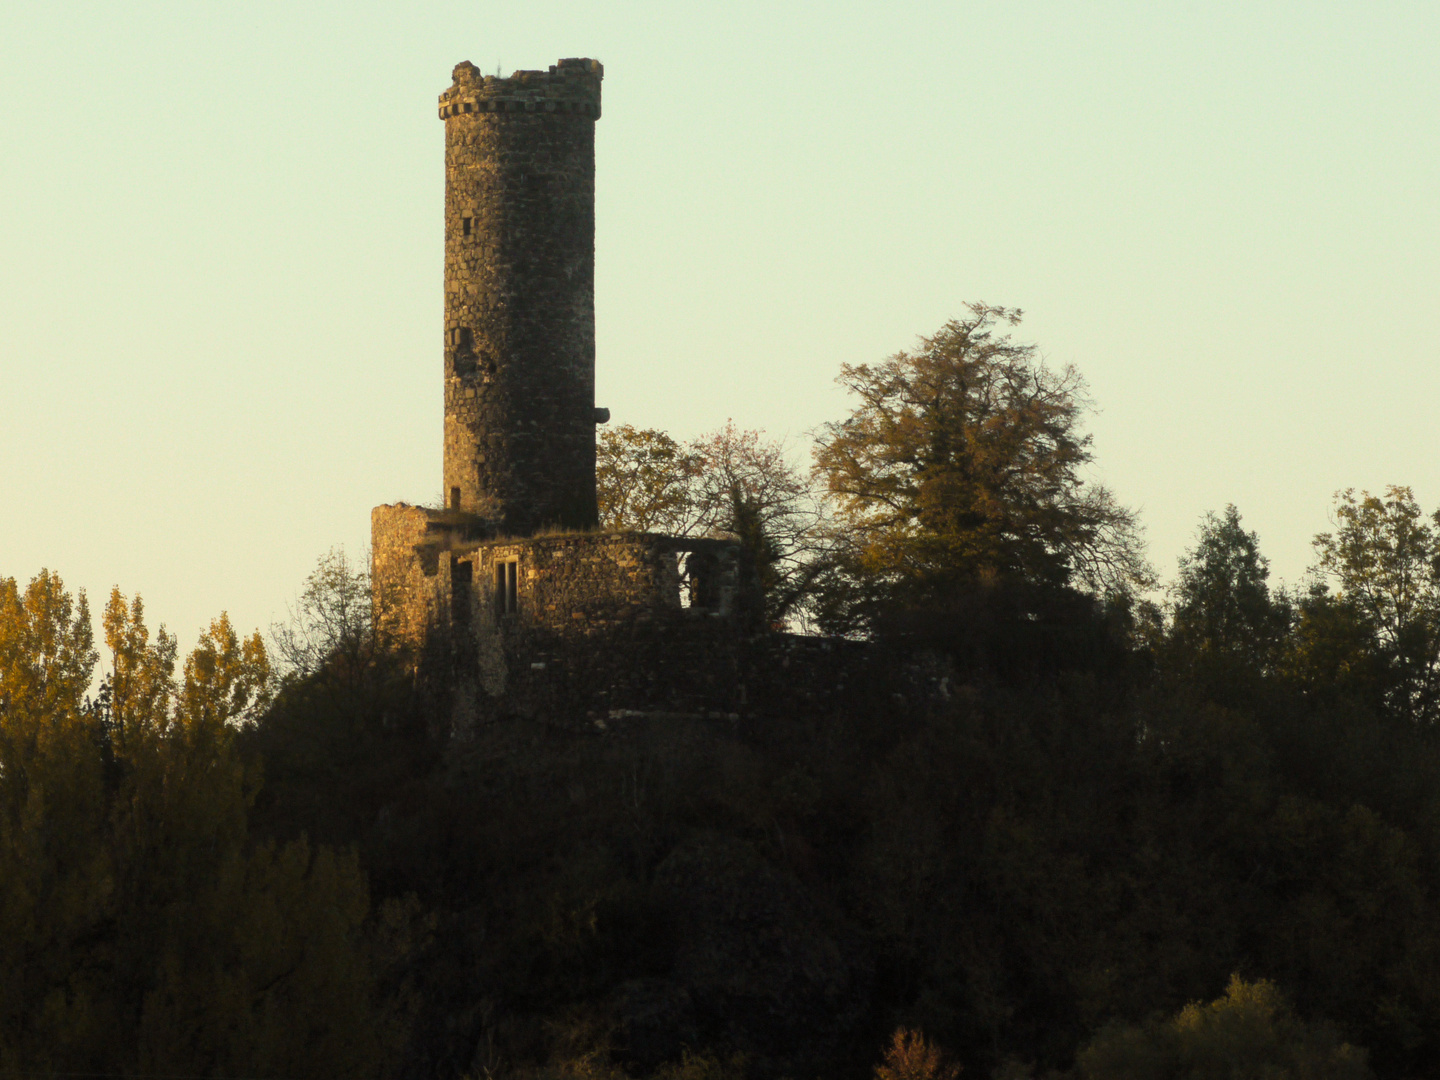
(520, 296)
(480, 594)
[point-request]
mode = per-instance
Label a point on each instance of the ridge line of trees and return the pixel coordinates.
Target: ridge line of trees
(1050, 829)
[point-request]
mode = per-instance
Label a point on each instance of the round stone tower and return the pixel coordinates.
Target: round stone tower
(520, 295)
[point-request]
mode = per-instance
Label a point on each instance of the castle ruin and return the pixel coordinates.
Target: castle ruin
(511, 583)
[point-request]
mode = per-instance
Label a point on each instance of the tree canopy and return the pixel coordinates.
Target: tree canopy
(1385, 558)
(141, 931)
(330, 620)
(1222, 603)
(645, 481)
(1028, 863)
(964, 460)
(729, 482)
(1249, 1033)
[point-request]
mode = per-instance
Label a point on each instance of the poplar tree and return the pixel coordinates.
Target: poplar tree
(141, 931)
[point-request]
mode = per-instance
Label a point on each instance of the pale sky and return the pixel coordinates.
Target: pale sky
(220, 251)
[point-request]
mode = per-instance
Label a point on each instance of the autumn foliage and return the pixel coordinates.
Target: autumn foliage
(1038, 814)
(141, 928)
(910, 1056)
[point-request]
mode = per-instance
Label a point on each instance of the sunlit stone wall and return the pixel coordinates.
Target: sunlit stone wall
(519, 295)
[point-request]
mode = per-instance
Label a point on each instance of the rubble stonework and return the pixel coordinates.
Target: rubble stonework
(520, 295)
(510, 590)
(402, 573)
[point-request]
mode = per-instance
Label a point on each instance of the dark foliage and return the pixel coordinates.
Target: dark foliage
(1020, 827)
(1018, 821)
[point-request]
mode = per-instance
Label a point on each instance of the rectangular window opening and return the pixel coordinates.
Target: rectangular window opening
(467, 225)
(461, 574)
(507, 586)
(454, 498)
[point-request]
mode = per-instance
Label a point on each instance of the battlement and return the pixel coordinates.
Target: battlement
(571, 86)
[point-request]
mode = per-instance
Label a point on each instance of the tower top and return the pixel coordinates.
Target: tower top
(571, 86)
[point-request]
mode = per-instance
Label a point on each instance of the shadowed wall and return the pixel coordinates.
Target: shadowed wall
(519, 295)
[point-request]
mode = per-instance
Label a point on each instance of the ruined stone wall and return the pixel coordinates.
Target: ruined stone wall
(564, 623)
(404, 574)
(579, 582)
(605, 627)
(430, 570)
(519, 295)
(571, 582)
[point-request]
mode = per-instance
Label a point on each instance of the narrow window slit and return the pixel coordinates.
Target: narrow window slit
(507, 586)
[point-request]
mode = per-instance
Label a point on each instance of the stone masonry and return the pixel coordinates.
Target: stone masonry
(520, 295)
(510, 591)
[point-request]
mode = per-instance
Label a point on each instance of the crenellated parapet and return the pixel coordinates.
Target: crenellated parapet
(519, 350)
(571, 86)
